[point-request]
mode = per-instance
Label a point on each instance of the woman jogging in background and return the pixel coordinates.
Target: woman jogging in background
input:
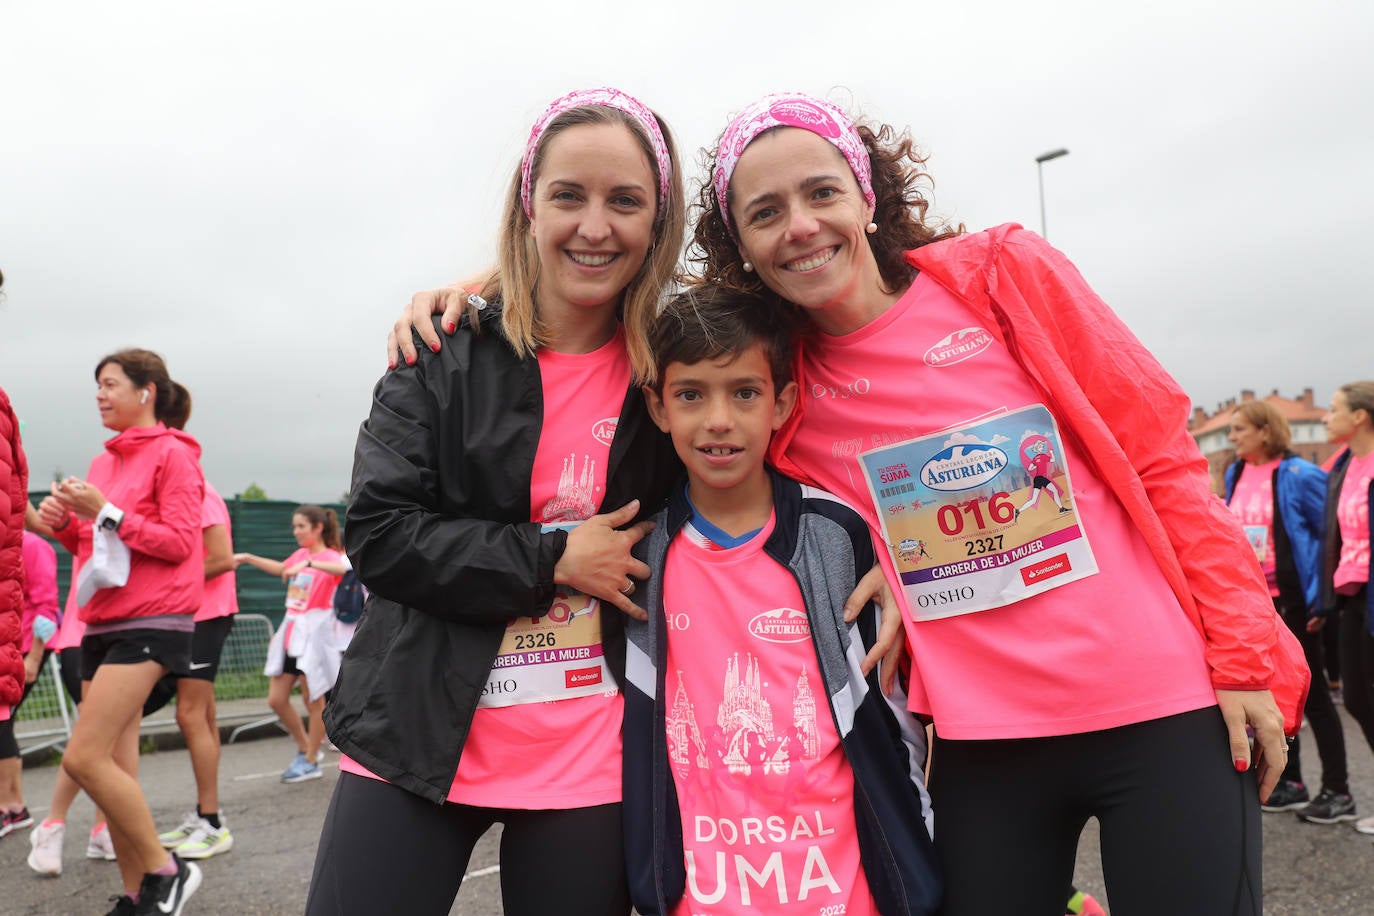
(1346, 564)
(1002, 339)
(135, 525)
(311, 574)
(488, 486)
(1280, 498)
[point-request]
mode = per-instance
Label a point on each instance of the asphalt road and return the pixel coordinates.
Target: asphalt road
(1308, 868)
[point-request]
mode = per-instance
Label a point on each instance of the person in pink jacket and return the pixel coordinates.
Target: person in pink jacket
(134, 522)
(1104, 661)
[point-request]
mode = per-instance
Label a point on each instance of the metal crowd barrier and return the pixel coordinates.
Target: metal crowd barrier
(45, 720)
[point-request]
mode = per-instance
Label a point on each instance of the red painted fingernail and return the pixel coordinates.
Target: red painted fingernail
(450, 327)
(410, 360)
(434, 348)
(1242, 765)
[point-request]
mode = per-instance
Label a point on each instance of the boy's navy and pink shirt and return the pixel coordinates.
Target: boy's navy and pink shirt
(763, 771)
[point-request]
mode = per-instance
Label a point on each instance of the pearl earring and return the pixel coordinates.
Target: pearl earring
(748, 267)
(871, 228)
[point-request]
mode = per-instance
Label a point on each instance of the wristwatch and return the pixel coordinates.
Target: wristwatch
(110, 517)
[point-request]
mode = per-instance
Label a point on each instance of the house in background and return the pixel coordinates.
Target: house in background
(1303, 416)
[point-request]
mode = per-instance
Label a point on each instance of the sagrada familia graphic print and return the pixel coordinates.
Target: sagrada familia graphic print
(745, 736)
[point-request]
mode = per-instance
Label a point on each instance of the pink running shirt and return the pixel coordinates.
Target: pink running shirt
(1352, 514)
(765, 790)
(567, 744)
(220, 598)
(1110, 649)
(1253, 503)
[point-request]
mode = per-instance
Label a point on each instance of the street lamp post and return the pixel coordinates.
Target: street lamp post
(1040, 173)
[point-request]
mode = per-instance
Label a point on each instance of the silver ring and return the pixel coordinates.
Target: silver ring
(477, 301)
(628, 590)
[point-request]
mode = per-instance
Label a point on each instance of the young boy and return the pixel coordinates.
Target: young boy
(763, 771)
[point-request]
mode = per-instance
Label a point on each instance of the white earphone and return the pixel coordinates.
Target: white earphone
(143, 396)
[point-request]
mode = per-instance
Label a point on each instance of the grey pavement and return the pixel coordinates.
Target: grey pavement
(1308, 868)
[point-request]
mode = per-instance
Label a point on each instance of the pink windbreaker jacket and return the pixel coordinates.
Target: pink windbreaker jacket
(153, 474)
(1129, 417)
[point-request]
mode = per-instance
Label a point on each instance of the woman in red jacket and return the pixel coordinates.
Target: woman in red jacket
(13, 500)
(135, 524)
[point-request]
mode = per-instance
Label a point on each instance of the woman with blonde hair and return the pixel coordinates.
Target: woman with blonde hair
(490, 484)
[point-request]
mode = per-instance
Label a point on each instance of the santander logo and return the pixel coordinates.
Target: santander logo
(957, 347)
(782, 625)
(604, 430)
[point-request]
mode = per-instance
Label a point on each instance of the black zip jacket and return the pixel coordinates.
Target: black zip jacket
(439, 531)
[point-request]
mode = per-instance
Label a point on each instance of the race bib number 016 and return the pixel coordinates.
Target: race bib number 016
(980, 516)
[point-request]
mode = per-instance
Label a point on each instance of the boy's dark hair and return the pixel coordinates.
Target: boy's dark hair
(708, 321)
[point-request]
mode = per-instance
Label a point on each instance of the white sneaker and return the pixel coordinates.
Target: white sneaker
(206, 841)
(1365, 825)
(100, 846)
(46, 857)
(175, 837)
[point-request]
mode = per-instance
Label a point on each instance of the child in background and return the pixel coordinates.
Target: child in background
(763, 771)
(311, 574)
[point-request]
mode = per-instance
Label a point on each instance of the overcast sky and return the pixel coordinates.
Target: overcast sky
(253, 190)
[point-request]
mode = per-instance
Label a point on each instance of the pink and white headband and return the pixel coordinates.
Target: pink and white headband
(608, 98)
(791, 109)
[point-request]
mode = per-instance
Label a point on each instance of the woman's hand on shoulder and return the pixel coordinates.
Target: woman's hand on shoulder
(400, 344)
(597, 559)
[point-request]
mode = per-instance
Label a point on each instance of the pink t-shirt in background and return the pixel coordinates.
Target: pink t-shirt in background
(765, 791)
(568, 748)
(1253, 503)
(40, 587)
(1106, 650)
(1352, 513)
(310, 588)
(220, 598)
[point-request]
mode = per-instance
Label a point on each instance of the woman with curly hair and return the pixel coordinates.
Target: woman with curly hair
(928, 351)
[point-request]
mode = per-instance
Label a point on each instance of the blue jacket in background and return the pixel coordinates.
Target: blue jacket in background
(1299, 513)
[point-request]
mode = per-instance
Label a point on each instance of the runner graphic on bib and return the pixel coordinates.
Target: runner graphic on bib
(965, 522)
(553, 657)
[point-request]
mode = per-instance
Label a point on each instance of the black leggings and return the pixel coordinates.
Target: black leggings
(385, 850)
(1180, 827)
(1357, 662)
(1320, 709)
